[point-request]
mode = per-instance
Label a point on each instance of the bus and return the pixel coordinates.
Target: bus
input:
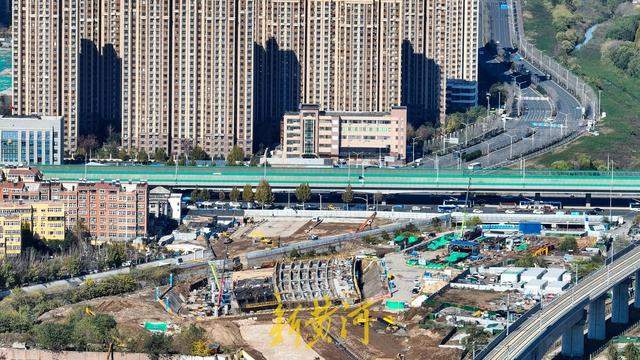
(474, 166)
(448, 208)
(547, 206)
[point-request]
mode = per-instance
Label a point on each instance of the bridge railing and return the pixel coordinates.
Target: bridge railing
(514, 326)
(584, 282)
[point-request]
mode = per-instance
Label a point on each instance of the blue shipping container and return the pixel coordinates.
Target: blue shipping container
(530, 228)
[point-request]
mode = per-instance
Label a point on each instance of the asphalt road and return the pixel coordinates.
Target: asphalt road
(521, 135)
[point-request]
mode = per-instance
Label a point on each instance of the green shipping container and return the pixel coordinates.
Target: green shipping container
(395, 305)
(156, 326)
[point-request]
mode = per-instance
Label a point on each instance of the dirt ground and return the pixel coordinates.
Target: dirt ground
(283, 231)
(480, 299)
(413, 342)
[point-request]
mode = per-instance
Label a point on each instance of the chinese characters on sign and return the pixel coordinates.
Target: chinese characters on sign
(320, 322)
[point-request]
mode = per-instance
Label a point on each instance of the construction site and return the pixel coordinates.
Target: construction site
(423, 284)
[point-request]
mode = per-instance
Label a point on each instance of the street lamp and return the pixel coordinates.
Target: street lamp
(366, 200)
(510, 145)
(413, 149)
(466, 138)
(436, 166)
(488, 98)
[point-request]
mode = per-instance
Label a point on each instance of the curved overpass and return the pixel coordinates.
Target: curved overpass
(531, 339)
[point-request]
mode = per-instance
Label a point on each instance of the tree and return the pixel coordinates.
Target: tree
(87, 143)
(235, 157)
(116, 255)
(347, 196)
(92, 330)
(53, 336)
(221, 195)
(197, 153)
(156, 345)
(612, 352)
(264, 195)
(200, 348)
(303, 193)
(234, 195)
(182, 160)
(562, 165)
(123, 154)
(474, 221)
(631, 352)
(143, 157)
(569, 243)
(247, 193)
(475, 339)
(160, 155)
(184, 342)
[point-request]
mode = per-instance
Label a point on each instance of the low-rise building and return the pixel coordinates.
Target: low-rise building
(162, 202)
(311, 132)
(31, 140)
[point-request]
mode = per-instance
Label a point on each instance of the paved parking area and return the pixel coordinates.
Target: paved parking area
(404, 277)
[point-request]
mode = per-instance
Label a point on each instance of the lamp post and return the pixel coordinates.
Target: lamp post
(366, 200)
(510, 145)
(488, 99)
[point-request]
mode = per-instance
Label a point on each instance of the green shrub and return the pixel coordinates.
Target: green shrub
(52, 336)
(623, 28)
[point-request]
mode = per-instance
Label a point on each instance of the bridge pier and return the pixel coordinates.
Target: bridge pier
(636, 291)
(588, 200)
(597, 319)
(573, 341)
(620, 303)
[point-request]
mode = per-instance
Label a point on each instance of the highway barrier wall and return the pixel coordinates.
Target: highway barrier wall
(259, 257)
(558, 73)
(393, 215)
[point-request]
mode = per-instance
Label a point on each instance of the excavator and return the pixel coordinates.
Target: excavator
(368, 222)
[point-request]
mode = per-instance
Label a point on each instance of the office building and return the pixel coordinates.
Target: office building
(10, 236)
(36, 140)
(176, 74)
(312, 132)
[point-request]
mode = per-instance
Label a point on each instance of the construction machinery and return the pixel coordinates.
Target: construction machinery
(89, 311)
(390, 325)
(266, 241)
(368, 222)
(542, 250)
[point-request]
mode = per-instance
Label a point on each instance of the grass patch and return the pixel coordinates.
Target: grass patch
(620, 97)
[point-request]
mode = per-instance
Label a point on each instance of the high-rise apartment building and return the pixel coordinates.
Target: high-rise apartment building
(462, 58)
(179, 73)
(66, 63)
(187, 75)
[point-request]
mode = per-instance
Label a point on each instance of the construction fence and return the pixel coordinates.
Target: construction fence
(259, 257)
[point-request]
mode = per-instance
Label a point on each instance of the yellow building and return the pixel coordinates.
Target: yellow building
(44, 219)
(10, 235)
